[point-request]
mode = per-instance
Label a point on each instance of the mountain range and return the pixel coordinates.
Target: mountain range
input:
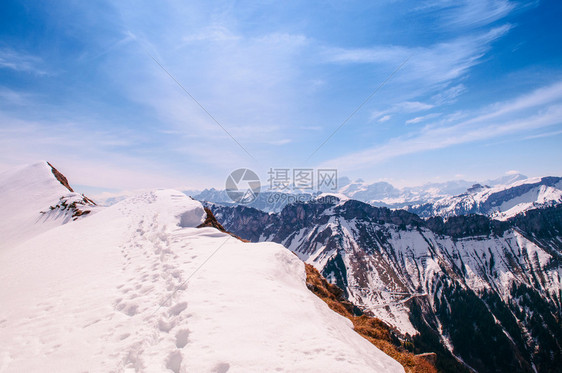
(484, 294)
(499, 202)
(500, 198)
(383, 194)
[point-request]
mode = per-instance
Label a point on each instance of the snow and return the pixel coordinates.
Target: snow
(136, 287)
(541, 196)
(26, 192)
(476, 201)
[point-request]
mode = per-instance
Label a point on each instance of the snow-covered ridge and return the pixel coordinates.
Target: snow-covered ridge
(33, 201)
(500, 202)
(136, 287)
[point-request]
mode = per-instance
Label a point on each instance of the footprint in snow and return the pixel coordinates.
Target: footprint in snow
(177, 309)
(174, 361)
(221, 368)
(182, 338)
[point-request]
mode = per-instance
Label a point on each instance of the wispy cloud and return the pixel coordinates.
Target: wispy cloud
(246, 83)
(213, 33)
(437, 64)
(449, 95)
(281, 142)
(543, 135)
(272, 80)
(20, 61)
(501, 119)
(432, 74)
(91, 154)
(111, 165)
(467, 13)
(422, 118)
(384, 118)
(401, 107)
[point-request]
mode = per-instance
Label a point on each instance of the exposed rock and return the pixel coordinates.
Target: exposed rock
(212, 222)
(60, 177)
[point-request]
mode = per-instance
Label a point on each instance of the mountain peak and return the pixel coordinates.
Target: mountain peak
(507, 179)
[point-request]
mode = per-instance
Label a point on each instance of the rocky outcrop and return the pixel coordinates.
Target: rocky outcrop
(60, 177)
(71, 206)
(212, 222)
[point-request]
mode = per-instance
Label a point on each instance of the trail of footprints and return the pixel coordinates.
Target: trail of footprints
(154, 275)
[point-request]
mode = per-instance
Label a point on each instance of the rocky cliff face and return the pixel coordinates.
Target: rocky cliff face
(485, 293)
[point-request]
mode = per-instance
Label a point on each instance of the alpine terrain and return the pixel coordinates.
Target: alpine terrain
(484, 294)
(138, 287)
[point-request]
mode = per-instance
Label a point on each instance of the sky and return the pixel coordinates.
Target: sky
(128, 95)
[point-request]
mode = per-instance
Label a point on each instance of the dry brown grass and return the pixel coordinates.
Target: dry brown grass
(371, 328)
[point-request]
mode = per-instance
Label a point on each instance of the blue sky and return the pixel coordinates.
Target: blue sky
(479, 94)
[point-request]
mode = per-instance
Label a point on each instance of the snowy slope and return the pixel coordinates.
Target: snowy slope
(27, 193)
(136, 287)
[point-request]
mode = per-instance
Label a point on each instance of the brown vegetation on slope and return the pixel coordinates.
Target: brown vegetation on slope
(372, 329)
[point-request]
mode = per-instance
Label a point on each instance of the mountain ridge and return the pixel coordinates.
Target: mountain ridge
(138, 287)
(404, 269)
